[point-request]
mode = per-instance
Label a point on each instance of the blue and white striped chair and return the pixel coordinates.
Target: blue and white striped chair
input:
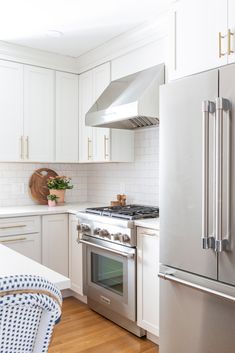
(30, 306)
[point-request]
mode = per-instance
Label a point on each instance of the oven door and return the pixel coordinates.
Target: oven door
(110, 278)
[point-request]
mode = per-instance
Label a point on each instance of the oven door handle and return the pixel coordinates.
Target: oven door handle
(122, 253)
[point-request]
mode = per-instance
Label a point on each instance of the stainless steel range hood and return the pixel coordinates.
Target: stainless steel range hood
(129, 102)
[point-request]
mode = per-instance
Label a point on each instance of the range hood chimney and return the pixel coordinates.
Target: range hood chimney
(129, 102)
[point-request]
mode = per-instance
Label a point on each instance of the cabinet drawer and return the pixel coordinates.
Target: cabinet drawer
(147, 231)
(26, 244)
(19, 225)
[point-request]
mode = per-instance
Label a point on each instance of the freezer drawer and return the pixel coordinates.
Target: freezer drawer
(195, 321)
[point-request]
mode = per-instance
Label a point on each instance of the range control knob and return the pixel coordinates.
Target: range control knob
(115, 236)
(97, 231)
(126, 238)
(104, 233)
(85, 227)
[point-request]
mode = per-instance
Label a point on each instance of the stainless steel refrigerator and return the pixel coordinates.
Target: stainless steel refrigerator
(197, 213)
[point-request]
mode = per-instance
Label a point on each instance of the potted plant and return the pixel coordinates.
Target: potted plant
(57, 186)
(52, 200)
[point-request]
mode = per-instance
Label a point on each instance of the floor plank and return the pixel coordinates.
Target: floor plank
(81, 330)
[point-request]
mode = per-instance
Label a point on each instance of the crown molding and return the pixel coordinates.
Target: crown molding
(125, 43)
(25, 55)
(116, 47)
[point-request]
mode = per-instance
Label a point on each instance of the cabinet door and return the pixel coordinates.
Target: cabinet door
(75, 257)
(66, 117)
(39, 124)
(101, 80)
(195, 36)
(147, 280)
(55, 242)
(86, 143)
(26, 244)
(231, 27)
(11, 111)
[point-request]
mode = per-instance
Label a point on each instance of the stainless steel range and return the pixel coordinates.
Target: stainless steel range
(109, 238)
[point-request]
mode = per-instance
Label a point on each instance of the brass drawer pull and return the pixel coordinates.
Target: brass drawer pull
(14, 226)
(10, 240)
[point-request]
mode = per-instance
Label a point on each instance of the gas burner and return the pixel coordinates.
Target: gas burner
(129, 212)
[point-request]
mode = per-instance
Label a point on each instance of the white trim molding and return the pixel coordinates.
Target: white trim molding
(25, 55)
(125, 43)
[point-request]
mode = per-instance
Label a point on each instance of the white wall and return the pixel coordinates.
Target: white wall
(93, 182)
(14, 180)
(139, 180)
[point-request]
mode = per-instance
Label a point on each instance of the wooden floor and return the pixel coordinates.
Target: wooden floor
(83, 331)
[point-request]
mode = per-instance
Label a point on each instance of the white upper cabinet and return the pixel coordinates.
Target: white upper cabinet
(101, 80)
(231, 31)
(39, 114)
(93, 142)
(100, 144)
(66, 117)
(11, 111)
(85, 102)
(195, 42)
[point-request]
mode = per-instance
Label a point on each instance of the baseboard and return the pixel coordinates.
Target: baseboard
(153, 338)
(66, 293)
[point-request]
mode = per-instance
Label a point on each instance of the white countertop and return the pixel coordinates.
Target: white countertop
(151, 223)
(13, 263)
(73, 208)
(34, 210)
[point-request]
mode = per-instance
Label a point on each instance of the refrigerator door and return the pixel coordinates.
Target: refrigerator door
(196, 320)
(181, 160)
(227, 257)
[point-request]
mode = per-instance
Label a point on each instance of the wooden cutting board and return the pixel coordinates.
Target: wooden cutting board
(38, 184)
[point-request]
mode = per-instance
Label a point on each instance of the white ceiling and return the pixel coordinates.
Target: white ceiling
(85, 24)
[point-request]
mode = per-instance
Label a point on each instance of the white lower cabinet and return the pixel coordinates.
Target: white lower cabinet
(26, 244)
(147, 280)
(55, 243)
(22, 234)
(75, 257)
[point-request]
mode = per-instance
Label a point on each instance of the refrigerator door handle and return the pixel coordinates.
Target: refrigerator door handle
(172, 278)
(222, 241)
(208, 108)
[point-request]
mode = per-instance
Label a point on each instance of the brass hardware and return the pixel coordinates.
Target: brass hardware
(12, 239)
(14, 226)
(21, 147)
(106, 139)
(230, 51)
(89, 153)
(27, 147)
(220, 45)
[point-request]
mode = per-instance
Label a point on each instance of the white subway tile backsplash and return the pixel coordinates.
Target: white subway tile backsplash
(14, 179)
(140, 177)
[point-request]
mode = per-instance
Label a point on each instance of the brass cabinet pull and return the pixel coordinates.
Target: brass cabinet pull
(12, 239)
(106, 154)
(27, 147)
(21, 147)
(220, 45)
(230, 51)
(13, 226)
(89, 153)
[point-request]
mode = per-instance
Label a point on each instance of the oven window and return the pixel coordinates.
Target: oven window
(107, 273)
